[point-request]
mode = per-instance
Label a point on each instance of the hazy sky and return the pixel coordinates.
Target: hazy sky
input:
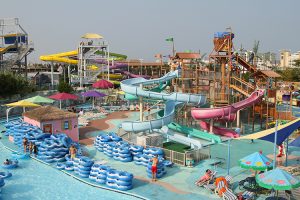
(138, 28)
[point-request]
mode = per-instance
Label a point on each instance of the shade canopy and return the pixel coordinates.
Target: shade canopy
(103, 84)
(277, 179)
(283, 131)
(22, 104)
(256, 161)
(63, 96)
(39, 99)
(295, 143)
(93, 93)
(92, 36)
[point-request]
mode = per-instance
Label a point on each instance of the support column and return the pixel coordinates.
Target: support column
(141, 106)
(238, 119)
(223, 80)
(52, 78)
(211, 123)
(69, 74)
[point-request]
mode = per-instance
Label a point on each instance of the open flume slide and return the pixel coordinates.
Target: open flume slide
(194, 132)
(3, 50)
(219, 130)
(132, 86)
(226, 113)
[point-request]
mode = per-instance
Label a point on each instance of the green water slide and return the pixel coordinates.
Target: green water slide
(161, 87)
(195, 133)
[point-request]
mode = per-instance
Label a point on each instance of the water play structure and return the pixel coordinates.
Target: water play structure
(14, 45)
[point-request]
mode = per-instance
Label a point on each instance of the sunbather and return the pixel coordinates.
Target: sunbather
(205, 178)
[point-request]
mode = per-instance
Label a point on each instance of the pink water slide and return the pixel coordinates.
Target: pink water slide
(226, 113)
(218, 130)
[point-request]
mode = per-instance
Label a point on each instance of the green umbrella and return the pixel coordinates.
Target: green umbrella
(39, 99)
(256, 161)
(277, 179)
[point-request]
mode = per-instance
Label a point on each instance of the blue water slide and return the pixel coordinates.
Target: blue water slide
(132, 86)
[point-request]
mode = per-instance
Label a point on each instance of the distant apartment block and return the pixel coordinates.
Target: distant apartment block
(287, 59)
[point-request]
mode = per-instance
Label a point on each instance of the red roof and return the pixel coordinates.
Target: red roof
(188, 55)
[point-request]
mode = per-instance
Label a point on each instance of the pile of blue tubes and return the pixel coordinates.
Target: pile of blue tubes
(115, 179)
(148, 154)
(55, 148)
(18, 130)
(83, 166)
(122, 152)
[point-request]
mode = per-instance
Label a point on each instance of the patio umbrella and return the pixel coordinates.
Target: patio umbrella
(22, 103)
(92, 36)
(93, 93)
(63, 96)
(39, 99)
(256, 161)
(277, 179)
(103, 84)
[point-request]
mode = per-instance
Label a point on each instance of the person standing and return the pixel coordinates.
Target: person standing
(35, 150)
(30, 147)
(72, 152)
(154, 161)
(25, 144)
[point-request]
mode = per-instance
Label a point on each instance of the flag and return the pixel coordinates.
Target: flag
(170, 39)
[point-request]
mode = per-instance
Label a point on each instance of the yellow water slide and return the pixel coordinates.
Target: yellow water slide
(5, 49)
(61, 57)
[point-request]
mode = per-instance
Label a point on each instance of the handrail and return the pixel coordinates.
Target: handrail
(243, 82)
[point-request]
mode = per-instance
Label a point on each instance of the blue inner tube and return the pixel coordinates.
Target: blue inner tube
(4, 175)
(167, 163)
(69, 168)
(60, 166)
(14, 164)
(101, 181)
(2, 183)
(20, 155)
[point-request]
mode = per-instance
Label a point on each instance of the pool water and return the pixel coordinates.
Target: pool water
(34, 180)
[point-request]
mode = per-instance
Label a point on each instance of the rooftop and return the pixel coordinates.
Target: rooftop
(48, 113)
(188, 55)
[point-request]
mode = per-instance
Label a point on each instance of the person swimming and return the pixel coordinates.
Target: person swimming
(7, 162)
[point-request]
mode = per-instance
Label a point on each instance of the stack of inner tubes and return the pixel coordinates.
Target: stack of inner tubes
(83, 166)
(99, 173)
(108, 148)
(55, 148)
(122, 152)
(18, 130)
(115, 179)
(69, 166)
(147, 155)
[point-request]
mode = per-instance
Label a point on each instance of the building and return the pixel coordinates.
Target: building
(287, 59)
(53, 120)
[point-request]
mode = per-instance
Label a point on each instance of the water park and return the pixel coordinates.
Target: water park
(179, 129)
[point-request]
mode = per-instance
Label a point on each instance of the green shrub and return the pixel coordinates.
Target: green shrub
(65, 87)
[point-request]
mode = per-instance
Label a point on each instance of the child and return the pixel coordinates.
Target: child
(30, 147)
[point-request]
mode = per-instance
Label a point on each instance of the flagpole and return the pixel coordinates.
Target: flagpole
(275, 141)
(173, 47)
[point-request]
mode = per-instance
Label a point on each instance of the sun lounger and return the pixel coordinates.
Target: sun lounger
(247, 195)
(227, 194)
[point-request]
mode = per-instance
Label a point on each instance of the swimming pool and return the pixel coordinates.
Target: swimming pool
(34, 180)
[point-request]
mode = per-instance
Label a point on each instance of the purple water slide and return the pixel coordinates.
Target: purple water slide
(218, 130)
(226, 112)
(135, 75)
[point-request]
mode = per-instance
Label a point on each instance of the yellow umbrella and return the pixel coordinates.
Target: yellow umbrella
(23, 104)
(92, 36)
(120, 92)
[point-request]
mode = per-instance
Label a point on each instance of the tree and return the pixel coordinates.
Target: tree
(12, 84)
(65, 87)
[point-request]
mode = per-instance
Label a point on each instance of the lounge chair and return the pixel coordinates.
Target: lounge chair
(226, 193)
(210, 181)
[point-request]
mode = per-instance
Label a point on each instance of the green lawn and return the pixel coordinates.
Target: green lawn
(176, 147)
